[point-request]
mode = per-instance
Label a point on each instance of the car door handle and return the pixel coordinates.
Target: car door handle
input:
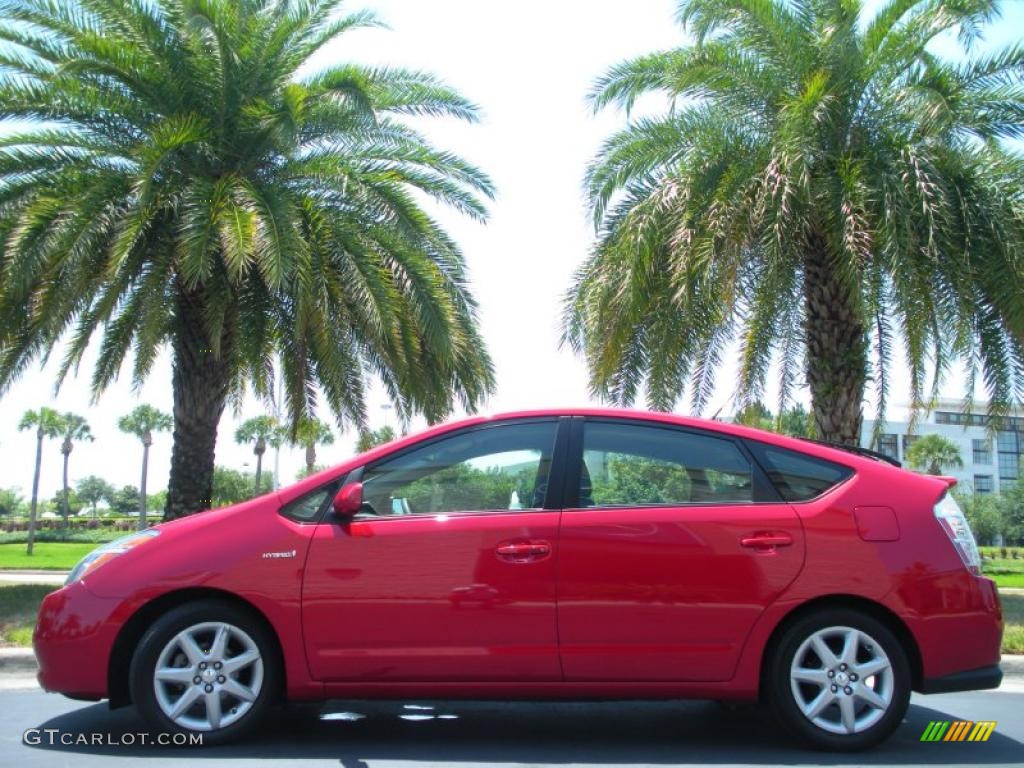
(767, 540)
(523, 551)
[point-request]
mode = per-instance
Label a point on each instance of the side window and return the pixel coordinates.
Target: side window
(308, 507)
(797, 476)
(504, 467)
(632, 465)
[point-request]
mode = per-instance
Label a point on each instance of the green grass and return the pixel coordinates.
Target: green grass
(1003, 565)
(19, 604)
(1007, 572)
(97, 536)
(48, 555)
(1013, 616)
(1003, 552)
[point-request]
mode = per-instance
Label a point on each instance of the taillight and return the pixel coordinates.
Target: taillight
(953, 522)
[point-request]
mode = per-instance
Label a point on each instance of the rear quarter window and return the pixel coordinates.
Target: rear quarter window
(797, 476)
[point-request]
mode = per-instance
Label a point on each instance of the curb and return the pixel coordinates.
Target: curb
(52, 578)
(17, 661)
(22, 661)
(1012, 666)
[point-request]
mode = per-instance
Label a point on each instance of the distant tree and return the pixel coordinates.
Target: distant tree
(933, 453)
(92, 490)
(143, 422)
(156, 502)
(75, 428)
(1011, 506)
(261, 431)
(757, 415)
(73, 507)
(371, 438)
(310, 434)
(796, 422)
(307, 471)
(231, 486)
(10, 501)
(464, 486)
(125, 501)
(635, 479)
(47, 423)
(983, 513)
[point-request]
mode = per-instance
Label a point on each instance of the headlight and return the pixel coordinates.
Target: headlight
(109, 551)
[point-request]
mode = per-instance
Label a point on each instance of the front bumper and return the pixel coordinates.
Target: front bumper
(72, 640)
(980, 679)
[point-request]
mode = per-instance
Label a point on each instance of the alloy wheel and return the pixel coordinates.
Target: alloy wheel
(208, 676)
(842, 680)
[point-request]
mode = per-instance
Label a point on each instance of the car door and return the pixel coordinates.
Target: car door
(449, 572)
(667, 556)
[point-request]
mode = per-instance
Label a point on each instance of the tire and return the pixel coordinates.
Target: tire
(818, 683)
(227, 650)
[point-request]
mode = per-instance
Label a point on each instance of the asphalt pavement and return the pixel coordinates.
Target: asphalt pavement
(421, 734)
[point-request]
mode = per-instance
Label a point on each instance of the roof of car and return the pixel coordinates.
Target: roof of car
(713, 425)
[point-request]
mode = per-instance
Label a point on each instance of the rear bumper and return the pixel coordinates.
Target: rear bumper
(957, 622)
(972, 680)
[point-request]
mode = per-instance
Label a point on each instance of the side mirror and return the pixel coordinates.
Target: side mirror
(349, 500)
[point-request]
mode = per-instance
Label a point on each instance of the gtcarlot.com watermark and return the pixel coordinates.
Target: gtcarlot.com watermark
(53, 737)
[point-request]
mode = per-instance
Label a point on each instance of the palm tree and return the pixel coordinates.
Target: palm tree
(47, 423)
(933, 453)
(203, 175)
(143, 422)
(822, 188)
(10, 501)
(74, 427)
(373, 437)
(310, 434)
(261, 431)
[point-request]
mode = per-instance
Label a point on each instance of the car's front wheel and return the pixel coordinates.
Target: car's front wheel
(205, 668)
(840, 679)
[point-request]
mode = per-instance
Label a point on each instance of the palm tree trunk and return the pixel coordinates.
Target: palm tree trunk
(200, 383)
(259, 471)
(66, 511)
(836, 362)
(310, 457)
(35, 493)
(142, 487)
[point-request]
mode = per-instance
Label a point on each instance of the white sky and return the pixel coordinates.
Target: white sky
(528, 64)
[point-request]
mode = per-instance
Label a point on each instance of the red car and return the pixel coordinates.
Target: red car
(585, 554)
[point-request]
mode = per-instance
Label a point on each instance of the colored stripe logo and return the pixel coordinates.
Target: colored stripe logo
(958, 730)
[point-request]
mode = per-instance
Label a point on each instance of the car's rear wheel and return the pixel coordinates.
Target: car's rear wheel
(840, 679)
(206, 668)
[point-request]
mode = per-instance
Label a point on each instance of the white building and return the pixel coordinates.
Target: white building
(990, 462)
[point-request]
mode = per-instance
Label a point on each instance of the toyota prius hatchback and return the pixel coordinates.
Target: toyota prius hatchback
(589, 554)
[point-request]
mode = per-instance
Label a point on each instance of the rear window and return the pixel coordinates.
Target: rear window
(797, 476)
